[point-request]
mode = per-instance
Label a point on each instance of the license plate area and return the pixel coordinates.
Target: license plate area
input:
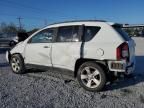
(119, 66)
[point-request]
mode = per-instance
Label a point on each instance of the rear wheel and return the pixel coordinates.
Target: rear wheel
(91, 76)
(17, 64)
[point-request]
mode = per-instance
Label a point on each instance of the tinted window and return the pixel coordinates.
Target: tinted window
(68, 34)
(44, 36)
(122, 33)
(90, 32)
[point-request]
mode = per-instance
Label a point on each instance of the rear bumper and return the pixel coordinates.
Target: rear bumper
(122, 66)
(130, 69)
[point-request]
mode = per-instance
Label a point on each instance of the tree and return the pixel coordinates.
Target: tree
(129, 31)
(3, 27)
(136, 32)
(11, 28)
(8, 28)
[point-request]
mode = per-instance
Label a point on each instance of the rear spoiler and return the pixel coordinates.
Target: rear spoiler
(115, 24)
(118, 25)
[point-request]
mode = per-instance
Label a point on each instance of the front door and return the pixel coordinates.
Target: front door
(38, 48)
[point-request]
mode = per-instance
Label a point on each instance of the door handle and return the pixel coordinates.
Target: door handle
(46, 47)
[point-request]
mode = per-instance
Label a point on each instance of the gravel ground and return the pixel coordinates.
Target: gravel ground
(53, 90)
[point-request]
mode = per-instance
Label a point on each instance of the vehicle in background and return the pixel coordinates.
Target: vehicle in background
(12, 39)
(7, 39)
(94, 52)
(21, 36)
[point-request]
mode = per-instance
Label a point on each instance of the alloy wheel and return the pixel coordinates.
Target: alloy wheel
(90, 77)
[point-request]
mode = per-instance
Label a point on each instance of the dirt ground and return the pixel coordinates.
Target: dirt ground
(54, 90)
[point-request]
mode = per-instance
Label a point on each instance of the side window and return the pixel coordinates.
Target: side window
(44, 36)
(90, 32)
(68, 34)
(75, 34)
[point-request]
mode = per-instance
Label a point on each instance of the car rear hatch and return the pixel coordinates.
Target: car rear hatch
(132, 45)
(130, 42)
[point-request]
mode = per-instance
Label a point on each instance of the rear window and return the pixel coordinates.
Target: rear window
(124, 35)
(90, 32)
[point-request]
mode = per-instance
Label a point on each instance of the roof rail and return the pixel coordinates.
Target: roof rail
(78, 21)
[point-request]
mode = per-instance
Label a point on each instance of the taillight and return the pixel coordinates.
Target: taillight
(123, 52)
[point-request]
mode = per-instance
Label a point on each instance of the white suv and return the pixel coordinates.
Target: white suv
(93, 51)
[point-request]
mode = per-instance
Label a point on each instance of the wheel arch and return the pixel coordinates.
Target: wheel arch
(80, 61)
(10, 55)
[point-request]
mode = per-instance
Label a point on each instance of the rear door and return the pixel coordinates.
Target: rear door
(66, 49)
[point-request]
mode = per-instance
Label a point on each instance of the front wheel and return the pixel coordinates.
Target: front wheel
(17, 64)
(91, 76)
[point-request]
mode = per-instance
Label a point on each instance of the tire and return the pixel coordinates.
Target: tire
(91, 77)
(17, 64)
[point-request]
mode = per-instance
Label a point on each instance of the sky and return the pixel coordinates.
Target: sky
(39, 13)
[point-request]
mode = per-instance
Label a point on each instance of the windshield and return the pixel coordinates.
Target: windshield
(124, 35)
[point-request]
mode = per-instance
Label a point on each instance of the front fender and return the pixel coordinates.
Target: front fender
(19, 48)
